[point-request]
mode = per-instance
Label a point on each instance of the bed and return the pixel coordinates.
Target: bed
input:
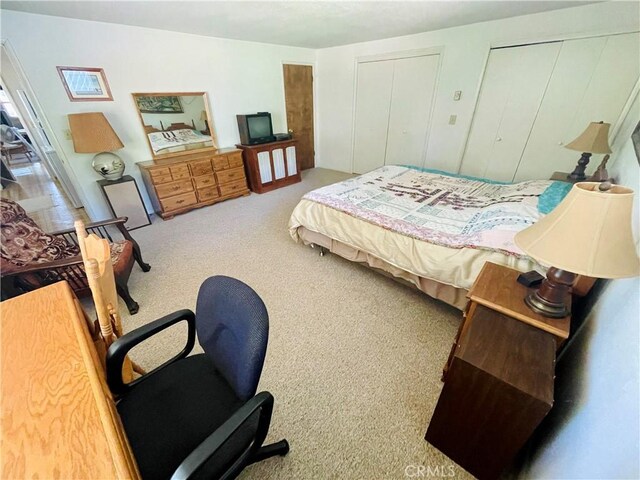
(178, 140)
(431, 229)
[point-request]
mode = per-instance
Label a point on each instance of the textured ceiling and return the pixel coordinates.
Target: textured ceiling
(311, 24)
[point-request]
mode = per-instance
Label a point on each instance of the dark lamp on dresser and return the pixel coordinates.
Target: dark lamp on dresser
(589, 234)
(595, 139)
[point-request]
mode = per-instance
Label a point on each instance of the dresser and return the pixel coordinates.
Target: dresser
(58, 416)
(180, 184)
(271, 165)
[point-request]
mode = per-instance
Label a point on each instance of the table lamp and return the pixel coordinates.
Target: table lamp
(92, 133)
(595, 139)
(588, 233)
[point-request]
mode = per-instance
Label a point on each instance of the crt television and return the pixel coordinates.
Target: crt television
(255, 128)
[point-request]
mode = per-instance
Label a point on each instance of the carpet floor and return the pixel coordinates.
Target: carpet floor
(354, 358)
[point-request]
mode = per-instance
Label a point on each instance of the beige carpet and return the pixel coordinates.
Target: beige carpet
(354, 358)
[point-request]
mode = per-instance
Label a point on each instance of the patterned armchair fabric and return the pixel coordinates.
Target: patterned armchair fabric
(24, 243)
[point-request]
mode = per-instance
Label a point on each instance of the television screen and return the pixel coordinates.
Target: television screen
(259, 126)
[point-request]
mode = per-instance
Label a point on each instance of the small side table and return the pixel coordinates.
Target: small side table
(564, 177)
(124, 199)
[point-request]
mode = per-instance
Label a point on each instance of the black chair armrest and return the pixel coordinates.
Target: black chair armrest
(121, 347)
(212, 444)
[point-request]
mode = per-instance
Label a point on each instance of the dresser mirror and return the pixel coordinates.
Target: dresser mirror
(176, 123)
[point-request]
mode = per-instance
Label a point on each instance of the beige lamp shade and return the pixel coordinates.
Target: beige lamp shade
(589, 233)
(595, 139)
(92, 133)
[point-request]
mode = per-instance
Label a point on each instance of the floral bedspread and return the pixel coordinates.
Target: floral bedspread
(450, 211)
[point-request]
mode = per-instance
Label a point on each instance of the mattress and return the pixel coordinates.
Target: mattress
(429, 224)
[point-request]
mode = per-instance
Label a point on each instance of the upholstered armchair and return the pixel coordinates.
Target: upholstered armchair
(31, 258)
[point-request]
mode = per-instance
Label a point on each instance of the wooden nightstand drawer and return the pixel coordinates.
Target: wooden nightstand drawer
(220, 163)
(233, 174)
(202, 167)
(174, 188)
(204, 181)
(234, 187)
(208, 193)
(179, 201)
(235, 160)
(180, 172)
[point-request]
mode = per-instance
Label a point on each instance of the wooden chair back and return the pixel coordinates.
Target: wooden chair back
(96, 256)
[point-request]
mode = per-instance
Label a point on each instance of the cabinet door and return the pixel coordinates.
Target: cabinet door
(373, 99)
(591, 82)
(414, 81)
(264, 165)
(292, 166)
(512, 90)
(278, 163)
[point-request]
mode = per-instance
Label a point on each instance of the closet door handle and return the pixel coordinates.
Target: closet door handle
(499, 139)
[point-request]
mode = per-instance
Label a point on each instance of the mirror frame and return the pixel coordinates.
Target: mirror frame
(212, 128)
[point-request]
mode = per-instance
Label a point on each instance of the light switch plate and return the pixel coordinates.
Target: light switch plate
(452, 119)
(67, 134)
(457, 95)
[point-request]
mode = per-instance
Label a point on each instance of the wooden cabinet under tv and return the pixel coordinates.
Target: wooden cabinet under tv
(177, 185)
(271, 165)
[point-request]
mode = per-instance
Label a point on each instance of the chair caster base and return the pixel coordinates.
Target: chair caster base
(280, 448)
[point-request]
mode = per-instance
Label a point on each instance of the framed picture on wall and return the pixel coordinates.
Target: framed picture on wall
(85, 84)
(159, 104)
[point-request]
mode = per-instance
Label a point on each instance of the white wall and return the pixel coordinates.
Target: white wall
(465, 53)
(240, 77)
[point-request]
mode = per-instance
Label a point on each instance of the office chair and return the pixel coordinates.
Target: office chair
(198, 416)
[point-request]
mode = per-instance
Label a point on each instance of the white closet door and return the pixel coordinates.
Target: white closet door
(512, 90)
(373, 99)
(591, 82)
(414, 81)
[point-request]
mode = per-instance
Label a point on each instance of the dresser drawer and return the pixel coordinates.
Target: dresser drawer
(220, 163)
(162, 179)
(233, 174)
(160, 172)
(208, 193)
(204, 181)
(174, 188)
(179, 201)
(179, 172)
(230, 188)
(201, 167)
(235, 160)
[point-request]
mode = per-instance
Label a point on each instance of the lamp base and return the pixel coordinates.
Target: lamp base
(578, 172)
(109, 165)
(550, 300)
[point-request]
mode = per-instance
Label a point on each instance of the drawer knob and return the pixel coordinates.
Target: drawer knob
(180, 201)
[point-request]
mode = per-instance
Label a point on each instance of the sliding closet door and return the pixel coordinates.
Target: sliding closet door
(591, 82)
(414, 82)
(512, 90)
(373, 99)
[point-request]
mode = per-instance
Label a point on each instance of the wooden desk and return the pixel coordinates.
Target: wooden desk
(58, 418)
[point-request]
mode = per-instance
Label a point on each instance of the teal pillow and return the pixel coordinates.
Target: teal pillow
(552, 196)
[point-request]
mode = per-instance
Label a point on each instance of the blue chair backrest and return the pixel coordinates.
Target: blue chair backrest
(233, 329)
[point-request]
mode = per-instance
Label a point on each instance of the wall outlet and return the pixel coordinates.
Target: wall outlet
(452, 119)
(67, 134)
(457, 95)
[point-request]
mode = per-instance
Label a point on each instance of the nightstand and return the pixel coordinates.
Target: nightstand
(124, 199)
(499, 379)
(563, 177)
(497, 288)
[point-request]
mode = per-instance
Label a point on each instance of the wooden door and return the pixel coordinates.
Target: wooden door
(414, 82)
(373, 102)
(512, 90)
(298, 94)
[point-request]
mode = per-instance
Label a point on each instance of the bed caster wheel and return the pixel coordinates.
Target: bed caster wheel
(312, 245)
(322, 251)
